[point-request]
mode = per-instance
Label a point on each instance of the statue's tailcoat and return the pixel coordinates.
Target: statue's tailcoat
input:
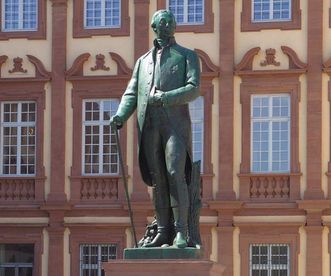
(180, 76)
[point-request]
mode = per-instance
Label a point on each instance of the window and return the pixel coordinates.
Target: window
(197, 118)
(16, 259)
(92, 256)
(269, 260)
(18, 138)
(191, 15)
(23, 19)
(101, 17)
(99, 144)
(270, 125)
(102, 13)
(271, 10)
(258, 15)
(187, 11)
(19, 15)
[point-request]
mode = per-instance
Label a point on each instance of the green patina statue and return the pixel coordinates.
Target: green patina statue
(164, 81)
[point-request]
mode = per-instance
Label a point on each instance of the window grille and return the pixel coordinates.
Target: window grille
(93, 255)
(269, 260)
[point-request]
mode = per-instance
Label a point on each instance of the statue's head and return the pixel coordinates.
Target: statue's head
(163, 24)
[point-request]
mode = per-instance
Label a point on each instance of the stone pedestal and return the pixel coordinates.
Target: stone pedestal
(162, 253)
(162, 268)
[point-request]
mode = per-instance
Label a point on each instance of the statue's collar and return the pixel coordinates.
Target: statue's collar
(172, 41)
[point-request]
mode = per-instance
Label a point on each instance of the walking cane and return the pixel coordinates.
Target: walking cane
(114, 127)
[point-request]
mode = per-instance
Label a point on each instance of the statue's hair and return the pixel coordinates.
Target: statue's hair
(167, 14)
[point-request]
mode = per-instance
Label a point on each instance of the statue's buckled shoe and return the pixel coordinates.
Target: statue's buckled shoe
(159, 240)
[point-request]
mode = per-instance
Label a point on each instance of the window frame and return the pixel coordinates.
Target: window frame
(101, 144)
(80, 31)
(103, 17)
(269, 85)
(270, 119)
(19, 124)
(103, 234)
(271, 17)
(20, 15)
(28, 90)
(206, 27)
(248, 24)
(39, 33)
(186, 14)
(261, 233)
(17, 265)
(25, 235)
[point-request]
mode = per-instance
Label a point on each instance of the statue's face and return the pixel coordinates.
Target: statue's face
(163, 25)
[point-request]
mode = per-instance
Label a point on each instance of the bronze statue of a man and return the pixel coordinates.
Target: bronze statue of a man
(164, 81)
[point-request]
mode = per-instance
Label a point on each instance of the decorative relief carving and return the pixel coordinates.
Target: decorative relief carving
(245, 66)
(100, 63)
(18, 66)
(17, 189)
(3, 59)
(270, 58)
(77, 67)
(247, 61)
(207, 65)
(99, 189)
(40, 68)
(122, 68)
(294, 61)
(270, 187)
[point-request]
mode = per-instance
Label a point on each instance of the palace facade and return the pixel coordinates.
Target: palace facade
(261, 128)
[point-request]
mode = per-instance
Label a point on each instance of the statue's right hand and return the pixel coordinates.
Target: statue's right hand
(116, 121)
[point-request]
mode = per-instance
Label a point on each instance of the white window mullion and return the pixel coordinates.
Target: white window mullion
(270, 135)
(103, 12)
(101, 137)
(19, 138)
(1, 136)
(99, 260)
(185, 10)
(20, 14)
(271, 9)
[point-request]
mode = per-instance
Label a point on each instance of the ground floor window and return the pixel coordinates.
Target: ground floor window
(269, 260)
(16, 259)
(93, 255)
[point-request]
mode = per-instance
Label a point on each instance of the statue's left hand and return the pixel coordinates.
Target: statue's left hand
(116, 121)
